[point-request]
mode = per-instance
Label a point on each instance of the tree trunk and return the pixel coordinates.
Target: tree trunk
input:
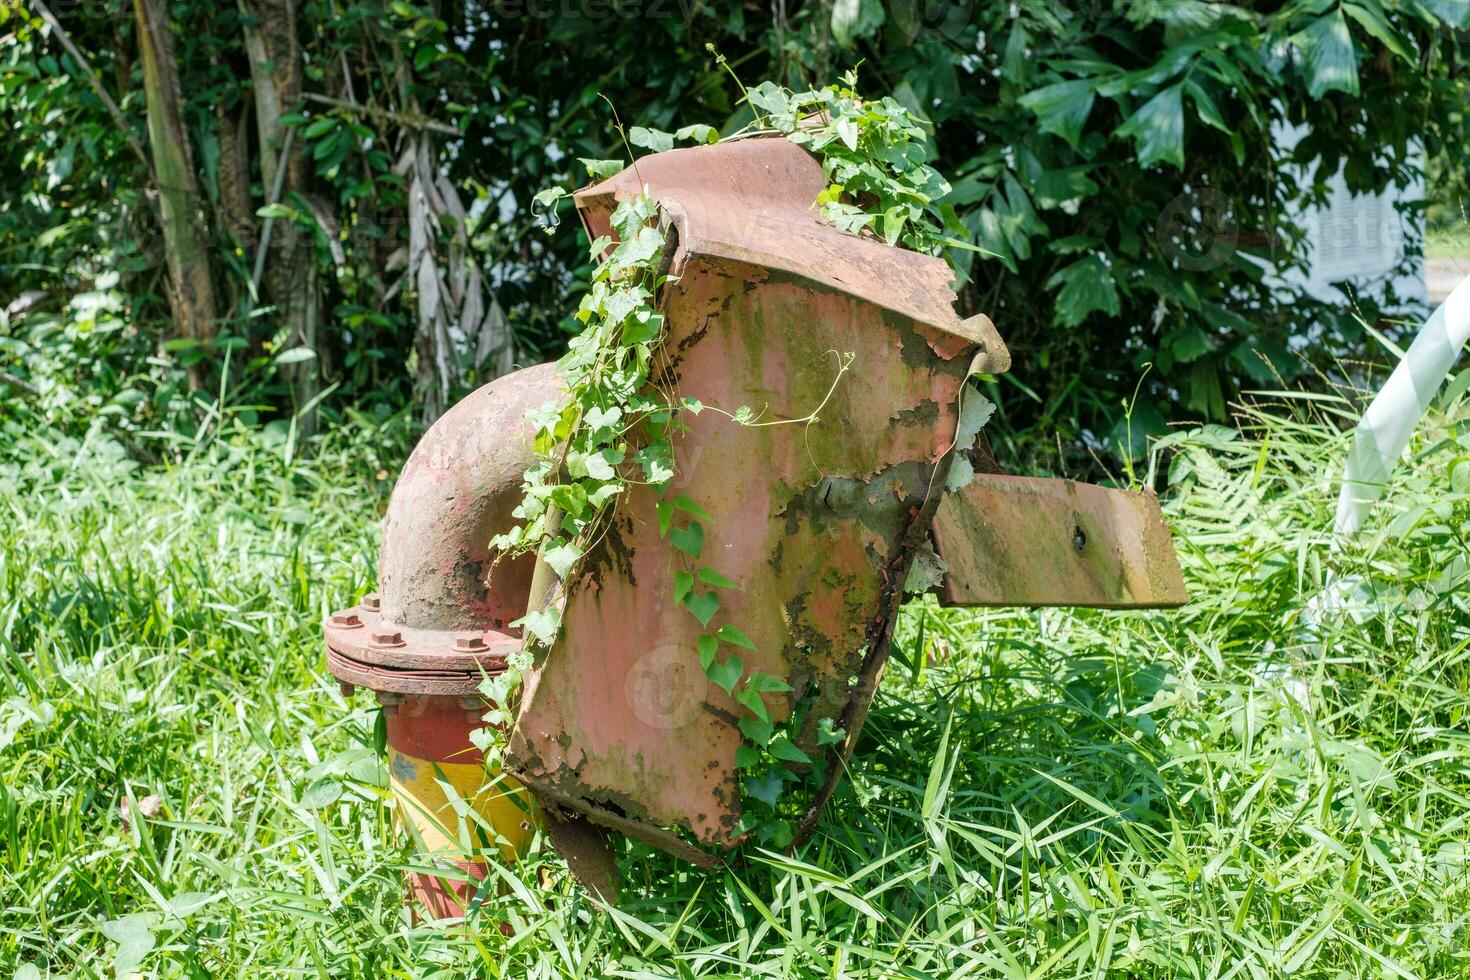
(291, 282)
(191, 291)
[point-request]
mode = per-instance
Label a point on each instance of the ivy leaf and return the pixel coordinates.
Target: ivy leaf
(1086, 288)
(747, 757)
(828, 733)
(711, 577)
(542, 624)
(753, 703)
(683, 582)
(562, 557)
(600, 465)
(733, 636)
(601, 169)
(1158, 127)
(766, 683)
(768, 96)
(699, 133)
(654, 139)
(599, 418)
(726, 673)
(703, 605)
(665, 513)
(785, 750)
(707, 647)
(765, 788)
(758, 731)
(689, 540)
(641, 248)
(134, 937)
(687, 505)
(644, 326)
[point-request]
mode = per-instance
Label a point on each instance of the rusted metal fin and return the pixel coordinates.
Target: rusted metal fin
(637, 829)
(585, 849)
(1019, 541)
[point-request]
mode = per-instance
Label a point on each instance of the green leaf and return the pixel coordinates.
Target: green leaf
(768, 97)
(322, 792)
(687, 505)
(134, 937)
(1327, 49)
(726, 673)
(765, 788)
(683, 582)
(828, 733)
(689, 540)
(1086, 288)
(665, 517)
(1370, 17)
(703, 605)
(733, 636)
(753, 703)
(562, 557)
(784, 749)
(294, 355)
(1063, 107)
(758, 731)
(1455, 13)
(853, 19)
(699, 133)
(711, 577)
(747, 757)
(601, 169)
(654, 139)
(707, 646)
(766, 683)
(1158, 128)
(543, 624)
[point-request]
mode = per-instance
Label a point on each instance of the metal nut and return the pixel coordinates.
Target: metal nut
(347, 689)
(372, 602)
(345, 620)
(387, 638)
(470, 643)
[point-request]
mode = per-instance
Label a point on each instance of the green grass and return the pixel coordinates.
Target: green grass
(1448, 243)
(1226, 790)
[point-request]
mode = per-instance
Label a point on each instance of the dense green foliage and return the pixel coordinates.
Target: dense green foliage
(1233, 786)
(1121, 159)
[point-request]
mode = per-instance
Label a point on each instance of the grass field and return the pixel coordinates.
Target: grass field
(1236, 789)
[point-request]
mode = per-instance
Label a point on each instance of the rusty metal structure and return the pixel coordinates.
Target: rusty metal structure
(818, 519)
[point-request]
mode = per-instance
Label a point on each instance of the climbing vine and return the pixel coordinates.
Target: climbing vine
(616, 427)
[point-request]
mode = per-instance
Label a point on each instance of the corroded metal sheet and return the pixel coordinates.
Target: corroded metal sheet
(813, 520)
(1018, 541)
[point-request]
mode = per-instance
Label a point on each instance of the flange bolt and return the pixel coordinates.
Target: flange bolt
(470, 643)
(345, 620)
(387, 638)
(372, 602)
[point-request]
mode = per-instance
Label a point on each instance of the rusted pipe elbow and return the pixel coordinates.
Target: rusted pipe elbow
(457, 491)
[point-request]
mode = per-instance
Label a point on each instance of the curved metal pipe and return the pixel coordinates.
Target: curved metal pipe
(457, 491)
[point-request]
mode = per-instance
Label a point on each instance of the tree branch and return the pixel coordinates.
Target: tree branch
(413, 121)
(86, 66)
